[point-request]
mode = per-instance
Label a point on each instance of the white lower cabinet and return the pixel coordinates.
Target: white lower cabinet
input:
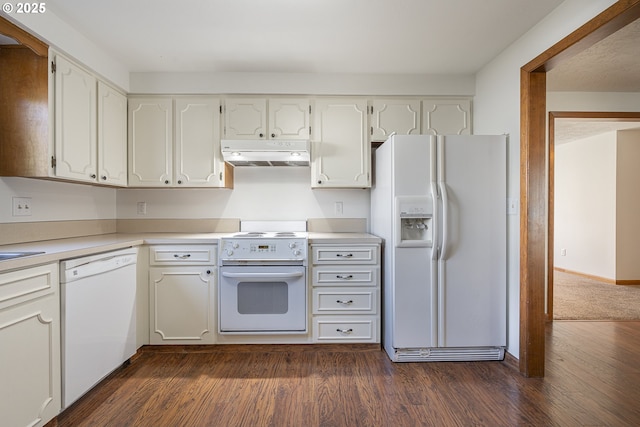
(345, 293)
(30, 346)
(182, 294)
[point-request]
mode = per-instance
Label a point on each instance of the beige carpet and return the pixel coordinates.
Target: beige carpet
(579, 298)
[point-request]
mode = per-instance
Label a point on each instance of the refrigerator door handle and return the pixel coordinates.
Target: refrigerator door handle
(434, 195)
(445, 220)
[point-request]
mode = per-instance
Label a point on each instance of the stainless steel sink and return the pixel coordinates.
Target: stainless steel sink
(11, 255)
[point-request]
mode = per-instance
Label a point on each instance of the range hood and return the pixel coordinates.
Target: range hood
(252, 152)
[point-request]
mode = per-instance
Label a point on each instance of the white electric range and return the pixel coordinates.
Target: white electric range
(263, 279)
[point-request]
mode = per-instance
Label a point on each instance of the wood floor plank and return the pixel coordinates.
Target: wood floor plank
(593, 378)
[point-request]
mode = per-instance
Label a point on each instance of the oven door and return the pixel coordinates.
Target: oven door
(262, 299)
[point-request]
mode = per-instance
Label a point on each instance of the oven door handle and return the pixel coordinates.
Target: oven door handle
(262, 275)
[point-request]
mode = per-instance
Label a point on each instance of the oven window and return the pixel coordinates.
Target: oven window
(263, 297)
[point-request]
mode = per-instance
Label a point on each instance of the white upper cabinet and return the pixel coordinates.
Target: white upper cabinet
(112, 136)
(341, 154)
(198, 162)
(90, 127)
(150, 142)
(260, 118)
(75, 122)
(245, 118)
(401, 116)
(191, 157)
(446, 116)
(289, 118)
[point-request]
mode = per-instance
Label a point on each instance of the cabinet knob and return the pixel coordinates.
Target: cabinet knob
(93, 176)
(166, 181)
(261, 135)
(104, 178)
(179, 181)
(273, 135)
(319, 182)
(208, 272)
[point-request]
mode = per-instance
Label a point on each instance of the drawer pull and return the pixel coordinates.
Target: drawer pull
(344, 331)
(344, 255)
(183, 256)
(343, 277)
(345, 302)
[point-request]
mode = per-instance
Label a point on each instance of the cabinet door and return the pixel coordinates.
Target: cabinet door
(341, 152)
(289, 118)
(182, 305)
(245, 118)
(198, 160)
(446, 116)
(30, 346)
(150, 142)
(75, 122)
(112, 136)
(394, 115)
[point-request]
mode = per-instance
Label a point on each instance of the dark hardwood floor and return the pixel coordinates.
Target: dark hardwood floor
(592, 379)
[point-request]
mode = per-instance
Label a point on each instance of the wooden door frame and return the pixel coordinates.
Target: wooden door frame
(534, 198)
(586, 116)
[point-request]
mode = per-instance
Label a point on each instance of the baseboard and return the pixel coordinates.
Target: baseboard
(598, 278)
(511, 361)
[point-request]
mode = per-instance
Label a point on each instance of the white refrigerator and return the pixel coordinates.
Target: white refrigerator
(440, 205)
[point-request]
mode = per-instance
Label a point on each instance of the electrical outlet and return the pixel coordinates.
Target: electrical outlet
(563, 252)
(338, 208)
(21, 206)
(142, 208)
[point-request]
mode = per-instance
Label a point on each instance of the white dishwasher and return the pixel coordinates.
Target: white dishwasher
(98, 299)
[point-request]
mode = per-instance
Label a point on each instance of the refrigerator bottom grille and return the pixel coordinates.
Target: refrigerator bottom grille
(447, 354)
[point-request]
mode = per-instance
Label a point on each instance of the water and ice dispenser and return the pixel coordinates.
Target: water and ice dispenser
(414, 221)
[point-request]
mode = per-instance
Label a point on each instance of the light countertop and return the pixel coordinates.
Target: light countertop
(60, 249)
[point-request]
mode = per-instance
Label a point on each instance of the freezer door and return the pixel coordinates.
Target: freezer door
(472, 265)
(409, 281)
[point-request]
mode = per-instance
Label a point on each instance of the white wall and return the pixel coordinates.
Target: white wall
(628, 206)
(56, 201)
(259, 193)
(497, 110)
(585, 206)
(302, 83)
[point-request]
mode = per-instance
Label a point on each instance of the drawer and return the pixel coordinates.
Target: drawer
(338, 301)
(345, 275)
(345, 329)
(345, 254)
(29, 283)
(182, 255)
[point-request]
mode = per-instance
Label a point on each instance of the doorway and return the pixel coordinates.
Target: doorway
(534, 198)
(576, 124)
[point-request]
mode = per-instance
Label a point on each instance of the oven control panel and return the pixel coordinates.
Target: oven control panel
(267, 250)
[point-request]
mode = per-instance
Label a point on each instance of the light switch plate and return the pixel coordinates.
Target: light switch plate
(21, 206)
(513, 206)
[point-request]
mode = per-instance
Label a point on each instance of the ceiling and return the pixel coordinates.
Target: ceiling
(611, 65)
(303, 36)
